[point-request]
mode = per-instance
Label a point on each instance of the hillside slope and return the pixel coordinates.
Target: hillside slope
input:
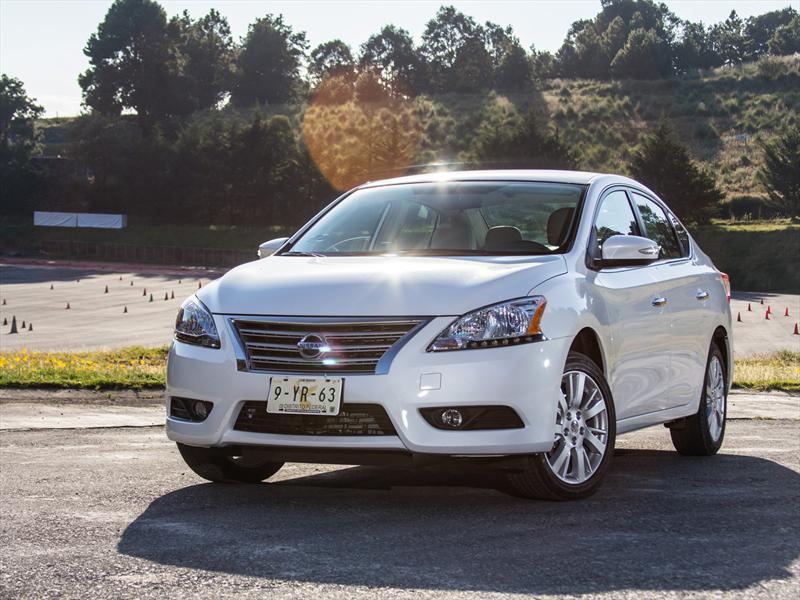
(721, 114)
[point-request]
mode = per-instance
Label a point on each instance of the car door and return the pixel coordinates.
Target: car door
(638, 349)
(685, 285)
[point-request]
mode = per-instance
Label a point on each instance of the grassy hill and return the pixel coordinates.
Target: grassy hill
(720, 113)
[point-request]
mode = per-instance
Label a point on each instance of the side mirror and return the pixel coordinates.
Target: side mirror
(269, 248)
(628, 251)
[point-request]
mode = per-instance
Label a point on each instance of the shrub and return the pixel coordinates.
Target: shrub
(747, 207)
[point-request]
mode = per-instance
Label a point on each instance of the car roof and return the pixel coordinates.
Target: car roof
(577, 177)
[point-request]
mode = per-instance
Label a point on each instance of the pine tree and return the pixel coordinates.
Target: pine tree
(663, 163)
(780, 174)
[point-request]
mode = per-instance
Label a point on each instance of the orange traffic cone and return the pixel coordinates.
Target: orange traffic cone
(796, 332)
(749, 308)
(786, 312)
(766, 315)
(67, 306)
(739, 317)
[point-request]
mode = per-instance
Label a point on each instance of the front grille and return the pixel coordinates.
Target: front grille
(353, 419)
(350, 347)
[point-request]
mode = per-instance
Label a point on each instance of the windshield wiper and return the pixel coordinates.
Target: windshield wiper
(296, 253)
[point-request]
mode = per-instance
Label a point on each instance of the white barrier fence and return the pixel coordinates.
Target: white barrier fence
(63, 219)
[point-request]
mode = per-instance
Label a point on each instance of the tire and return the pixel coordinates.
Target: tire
(702, 433)
(561, 474)
(215, 465)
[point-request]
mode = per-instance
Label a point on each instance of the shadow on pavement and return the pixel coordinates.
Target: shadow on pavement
(660, 522)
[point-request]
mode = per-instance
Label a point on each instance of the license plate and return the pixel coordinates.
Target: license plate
(305, 395)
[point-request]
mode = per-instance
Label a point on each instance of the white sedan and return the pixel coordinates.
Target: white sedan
(515, 320)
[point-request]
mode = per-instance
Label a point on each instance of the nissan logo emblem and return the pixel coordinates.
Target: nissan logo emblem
(312, 346)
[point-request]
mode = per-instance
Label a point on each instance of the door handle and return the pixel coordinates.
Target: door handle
(660, 301)
(702, 295)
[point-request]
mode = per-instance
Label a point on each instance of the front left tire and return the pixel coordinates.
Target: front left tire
(584, 436)
(214, 464)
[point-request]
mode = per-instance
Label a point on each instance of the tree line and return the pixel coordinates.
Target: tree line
(160, 67)
(182, 123)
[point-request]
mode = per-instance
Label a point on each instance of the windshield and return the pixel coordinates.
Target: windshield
(446, 218)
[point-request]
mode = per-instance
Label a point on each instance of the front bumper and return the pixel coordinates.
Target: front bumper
(526, 377)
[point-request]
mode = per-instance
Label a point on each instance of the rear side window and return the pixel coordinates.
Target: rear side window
(683, 235)
(615, 217)
(657, 227)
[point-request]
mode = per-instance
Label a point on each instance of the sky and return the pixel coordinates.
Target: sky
(42, 41)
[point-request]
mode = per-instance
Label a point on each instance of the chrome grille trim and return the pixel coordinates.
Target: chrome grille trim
(266, 344)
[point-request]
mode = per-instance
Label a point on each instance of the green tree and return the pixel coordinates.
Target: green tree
(663, 163)
(262, 164)
(786, 39)
(453, 41)
(269, 63)
(509, 61)
(644, 56)
(472, 69)
(330, 58)
(694, 49)
(760, 29)
(515, 71)
(729, 39)
(18, 114)
(18, 142)
(132, 169)
(780, 173)
(582, 54)
(592, 45)
(392, 55)
(134, 63)
(207, 58)
(543, 64)
(504, 138)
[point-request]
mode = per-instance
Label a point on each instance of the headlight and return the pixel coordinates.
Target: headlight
(195, 325)
(505, 324)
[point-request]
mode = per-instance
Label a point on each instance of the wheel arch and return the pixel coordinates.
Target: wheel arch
(721, 340)
(588, 343)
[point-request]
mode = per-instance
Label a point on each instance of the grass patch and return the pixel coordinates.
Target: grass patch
(779, 371)
(138, 367)
(134, 367)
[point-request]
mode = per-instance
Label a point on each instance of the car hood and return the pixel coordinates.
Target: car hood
(375, 285)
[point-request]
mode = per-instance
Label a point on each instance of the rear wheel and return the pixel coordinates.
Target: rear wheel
(702, 433)
(215, 464)
(584, 435)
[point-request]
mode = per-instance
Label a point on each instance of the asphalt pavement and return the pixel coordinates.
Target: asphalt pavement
(114, 513)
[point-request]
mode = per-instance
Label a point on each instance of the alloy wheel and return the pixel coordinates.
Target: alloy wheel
(715, 398)
(581, 431)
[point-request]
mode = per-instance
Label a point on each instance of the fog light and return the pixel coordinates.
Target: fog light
(452, 418)
(200, 409)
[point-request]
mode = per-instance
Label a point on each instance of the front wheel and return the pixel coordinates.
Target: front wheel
(216, 465)
(702, 433)
(584, 435)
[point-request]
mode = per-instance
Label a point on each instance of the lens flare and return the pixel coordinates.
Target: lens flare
(371, 135)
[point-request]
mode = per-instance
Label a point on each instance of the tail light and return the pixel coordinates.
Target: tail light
(726, 282)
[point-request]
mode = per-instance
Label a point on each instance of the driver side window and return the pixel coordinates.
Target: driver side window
(615, 217)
